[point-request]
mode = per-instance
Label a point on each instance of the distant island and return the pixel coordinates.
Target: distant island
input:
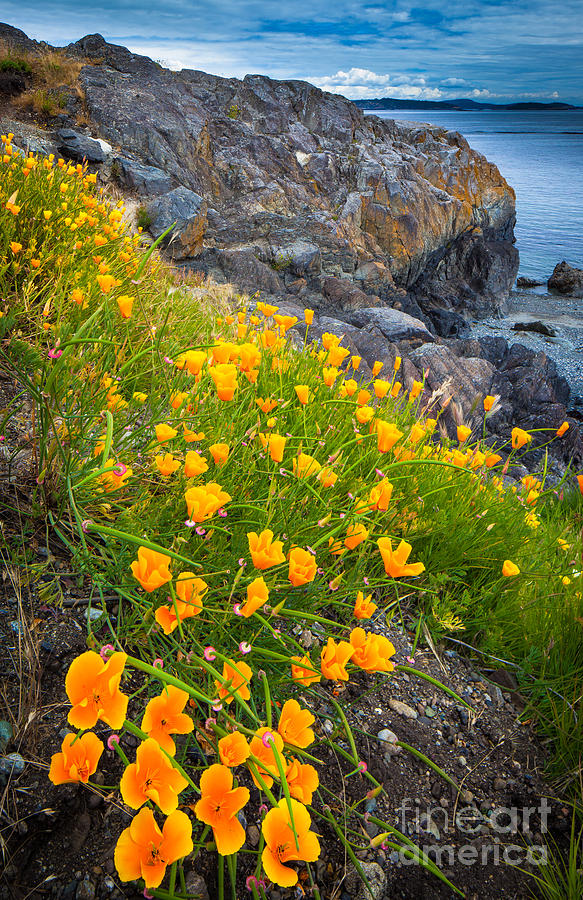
(392, 103)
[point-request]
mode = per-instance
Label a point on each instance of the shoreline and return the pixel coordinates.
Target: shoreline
(563, 314)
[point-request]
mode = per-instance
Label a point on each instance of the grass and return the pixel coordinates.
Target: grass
(49, 74)
(109, 344)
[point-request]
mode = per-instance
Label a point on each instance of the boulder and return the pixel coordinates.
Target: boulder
(468, 379)
(77, 146)
(394, 324)
(524, 282)
(187, 212)
(301, 258)
(145, 180)
(536, 326)
(247, 271)
(566, 280)
(342, 295)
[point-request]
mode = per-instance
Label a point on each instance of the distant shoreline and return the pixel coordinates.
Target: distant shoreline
(461, 105)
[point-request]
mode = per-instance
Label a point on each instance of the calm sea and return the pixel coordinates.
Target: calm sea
(541, 155)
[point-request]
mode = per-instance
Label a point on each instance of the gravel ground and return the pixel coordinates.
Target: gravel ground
(563, 314)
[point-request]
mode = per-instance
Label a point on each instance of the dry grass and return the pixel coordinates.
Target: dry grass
(46, 72)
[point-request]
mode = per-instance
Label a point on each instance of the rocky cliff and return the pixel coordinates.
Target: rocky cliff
(391, 232)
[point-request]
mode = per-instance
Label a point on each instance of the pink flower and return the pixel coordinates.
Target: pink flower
(85, 525)
(55, 354)
(222, 513)
(237, 609)
(112, 740)
(209, 653)
(106, 651)
(120, 469)
(362, 766)
(168, 360)
(158, 663)
(244, 647)
(242, 562)
(251, 882)
(200, 531)
(217, 707)
(189, 523)
(267, 739)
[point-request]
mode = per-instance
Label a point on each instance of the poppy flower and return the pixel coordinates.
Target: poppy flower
(491, 460)
(363, 606)
(333, 659)
(280, 841)
(92, 686)
(377, 366)
(380, 495)
(305, 465)
(266, 406)
(327, 477)
(308, 316)
(151, 569)
(520, 438)
(264, 752)
(257, 595)
(416, 389)
(116, 478)
(164, 715)
(164, 432)
(236, 678)
(302, 780)
(302, 671)
(416, 434)
(294, 724)
(364, 414)
(381, 388)
(387, 435)
(356, 533)
(276, 443)
(489, 401)
(302, 567)
(463, 433)
(509, 569)
(329, 375)
(203, 501)
(106, 282)
(337, 355)
(219, 453)
(77, 760)
(166, 464)
(194, 463)
(372, 652)
(350, 387)
(177, 399)
(152, 777)
(218, 807)
(562, 429)
(580, 483)
(190, 591)
(225, 379)
(77, 296)
(302, 392)
(265, 552)
(396, 561)
(233, 749)
(143, 851)
(125, 304)
(250, 357)
(193, 360)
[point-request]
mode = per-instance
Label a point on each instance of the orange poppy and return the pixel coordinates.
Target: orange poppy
(305, 465)
(510, 569)
(387, 435)
(364, 414)
(190, 590)
(416, 389)
(327, 477)
(194, 360)
(203, 501)
(77, 760)
(308, 316)
(329, 375)
(219, 453)
(151, 569)
(194, 463)
(336, 355)
(416, 433)
(257, 595)
(489, 402)
(303, 671)
(143, 851)
(250, 356)
(164, 432)
(381, 494)
(225, 379)
(377, 368)
(363, 606)
(190, 436)
(280, 840)
(463, 433)
(302, 392)
(266, 406)
(218, 807)
(164, 715)
(302, 780)
(302, 567)
(236, 678)
(371, 651)
(152, 777)
(562, 429)
(381, 388)
(395, 561)
(356, 533)
(233, 749)
(520, 438)
(294, 724)
(265, 552)
(334, 658)
(125, 304)
(166, 464)
(264, 753)
(92, 687)
(276, 447)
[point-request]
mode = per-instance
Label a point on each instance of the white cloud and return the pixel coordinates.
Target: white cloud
(359, 83)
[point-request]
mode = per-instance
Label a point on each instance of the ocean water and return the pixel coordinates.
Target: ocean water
(541, 155)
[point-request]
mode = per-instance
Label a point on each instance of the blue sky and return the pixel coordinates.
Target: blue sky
(495, 50)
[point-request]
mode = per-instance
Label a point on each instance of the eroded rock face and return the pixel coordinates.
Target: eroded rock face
(312, 187)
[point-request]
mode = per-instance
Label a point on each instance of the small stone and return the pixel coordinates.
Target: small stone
(11, 765)
(463, 714)
(429, 712)
(403, 709)
(328, 726)
(108, 883)
(388, 736)
(92, 615)
(499, 784)
(5, 734)
(196, 886)
(462, 761)
(86, 890)
(253, 835)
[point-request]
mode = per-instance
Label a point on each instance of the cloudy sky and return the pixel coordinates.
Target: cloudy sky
(495, 50)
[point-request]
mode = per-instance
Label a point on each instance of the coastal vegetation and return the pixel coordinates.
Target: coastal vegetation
(234, 483)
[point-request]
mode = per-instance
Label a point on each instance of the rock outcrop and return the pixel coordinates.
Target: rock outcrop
(566, 280)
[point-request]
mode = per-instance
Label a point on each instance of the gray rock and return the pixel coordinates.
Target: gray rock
(536, 326)
(395, 325)
(6, 733)
(10, 766)
(524, 282)
(566, 280)
(403, 709)
(77, 146)
(300, 257)
(146, 180)
(187, 212)
(86, 890)
(196, 886)
(376, 882)
(251, 274)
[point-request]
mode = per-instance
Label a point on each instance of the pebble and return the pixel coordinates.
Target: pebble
(499, 784)
(462, 761)
(388, 736)
(196, 886)
(403, 709)
(429, 711)
(86, 890)
(108, 883)
(92, 615)
(11, 765)
(5, 734)
(253, 835)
